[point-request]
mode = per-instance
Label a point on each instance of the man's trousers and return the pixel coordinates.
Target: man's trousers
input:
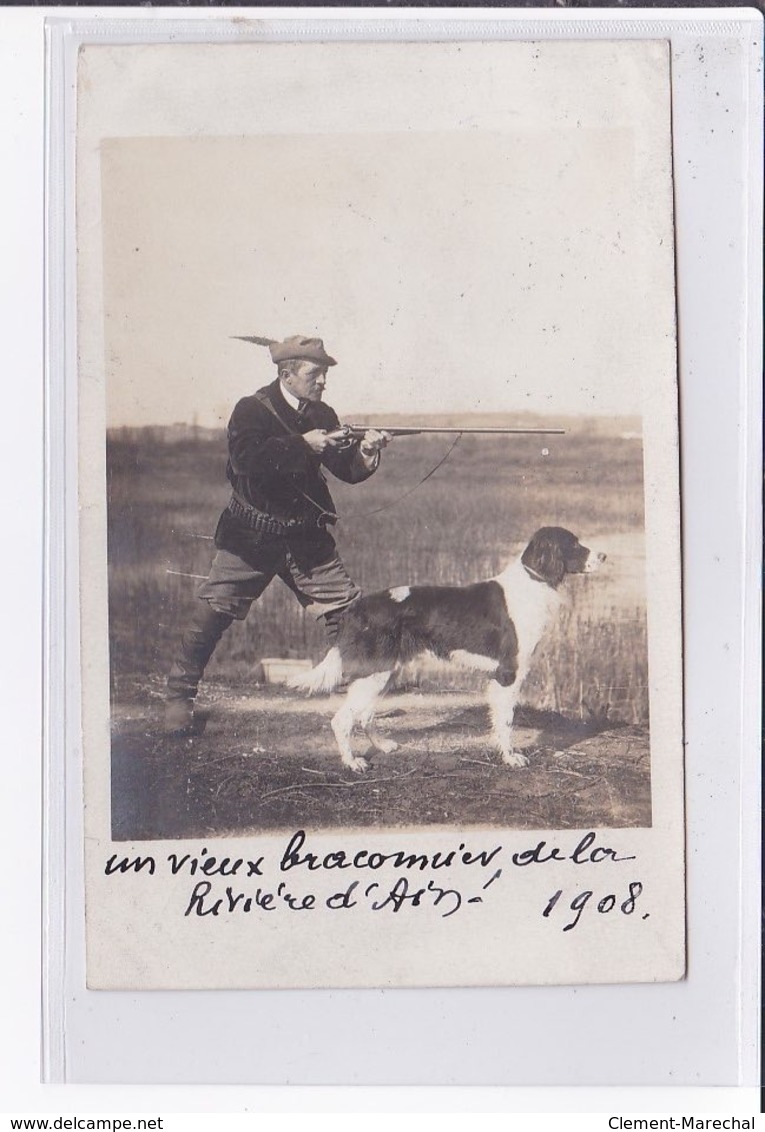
(320, 583)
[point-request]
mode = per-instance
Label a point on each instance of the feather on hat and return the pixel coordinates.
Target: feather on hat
(297, 347)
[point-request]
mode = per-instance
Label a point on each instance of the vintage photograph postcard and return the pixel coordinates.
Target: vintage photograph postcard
(379, 514)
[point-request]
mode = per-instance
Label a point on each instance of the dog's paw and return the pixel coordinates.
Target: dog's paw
(514, 758)
(358, 765)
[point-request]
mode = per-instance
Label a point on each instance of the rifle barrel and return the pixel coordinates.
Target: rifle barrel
(395, 430)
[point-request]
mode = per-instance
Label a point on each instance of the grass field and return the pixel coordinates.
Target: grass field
(166, 489)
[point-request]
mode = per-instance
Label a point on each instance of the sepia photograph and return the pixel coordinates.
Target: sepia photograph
(375, 490)
(379, 472)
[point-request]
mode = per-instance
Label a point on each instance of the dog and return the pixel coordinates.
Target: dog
(491, 626)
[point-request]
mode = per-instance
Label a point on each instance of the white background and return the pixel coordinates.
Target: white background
(710, 1023)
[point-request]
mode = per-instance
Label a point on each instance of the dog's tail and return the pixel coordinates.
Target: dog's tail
(325, 677)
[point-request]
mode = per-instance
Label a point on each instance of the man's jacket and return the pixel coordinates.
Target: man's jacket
(272, 468)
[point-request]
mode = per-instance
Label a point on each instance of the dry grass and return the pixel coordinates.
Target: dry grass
(267, 760)
(463, 524)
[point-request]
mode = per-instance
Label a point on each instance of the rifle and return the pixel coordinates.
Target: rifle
(347, 433)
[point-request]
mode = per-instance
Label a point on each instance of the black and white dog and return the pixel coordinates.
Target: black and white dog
(491, 626)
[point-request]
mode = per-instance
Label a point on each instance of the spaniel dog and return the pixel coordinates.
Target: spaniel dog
(492, 627)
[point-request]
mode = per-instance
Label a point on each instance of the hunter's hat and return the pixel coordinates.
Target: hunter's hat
(297, 347)
(304, 349)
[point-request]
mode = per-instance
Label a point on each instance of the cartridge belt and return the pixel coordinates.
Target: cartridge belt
(259, 521)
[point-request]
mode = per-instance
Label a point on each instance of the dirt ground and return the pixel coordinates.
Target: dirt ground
(265, 759)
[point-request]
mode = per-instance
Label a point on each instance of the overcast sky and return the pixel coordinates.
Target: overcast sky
(522, 268)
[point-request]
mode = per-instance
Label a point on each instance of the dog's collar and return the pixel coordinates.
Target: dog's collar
(533, 574)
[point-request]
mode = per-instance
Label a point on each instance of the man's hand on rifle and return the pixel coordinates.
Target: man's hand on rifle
(318, 440)
(373, 441)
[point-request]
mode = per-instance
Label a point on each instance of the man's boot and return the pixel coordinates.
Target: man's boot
(197, 646)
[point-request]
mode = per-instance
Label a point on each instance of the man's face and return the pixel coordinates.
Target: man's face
(307, 382)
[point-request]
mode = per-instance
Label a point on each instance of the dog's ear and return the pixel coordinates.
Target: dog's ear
(544, 555)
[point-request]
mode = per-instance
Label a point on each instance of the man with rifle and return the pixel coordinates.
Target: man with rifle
(276, 522)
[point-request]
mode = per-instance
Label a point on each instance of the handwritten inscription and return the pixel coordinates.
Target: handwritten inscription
(405, 883)
(378, 897)
(294, 857)
(605, 904)
(586, 852)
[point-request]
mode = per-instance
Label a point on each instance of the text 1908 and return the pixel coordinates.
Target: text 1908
(605, 904)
